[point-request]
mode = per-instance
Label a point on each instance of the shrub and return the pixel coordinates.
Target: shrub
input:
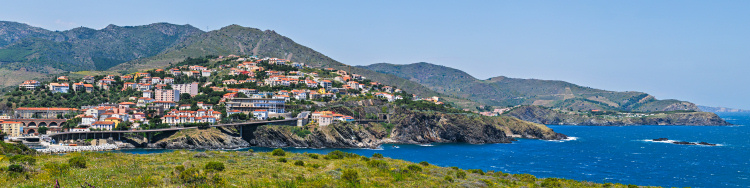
(192, 175)
(201, 155)
(316, 166)
(377, 155)
(218, 180)
(365, 158)
(632, 186)
(179, 169)
(551, 182)
(217, 166)
(525, 177)
(476, 171)
(336, 154)
(278, 152)
(414, 168)
(56, 169)
(350, 175)
(424, 163)
(15, 168)
(250, 150)
(454, 167)
(378, 164)
(461, 175)
(312, 155)
(448, 179)
(282, 160)
(299, 163)
(23, 159)
(78, 162)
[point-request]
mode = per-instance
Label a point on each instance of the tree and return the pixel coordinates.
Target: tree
(123, 126)
(43, 130)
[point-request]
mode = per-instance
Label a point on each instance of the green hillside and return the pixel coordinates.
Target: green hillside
(504, 91)
(27, 52)
(38, 50)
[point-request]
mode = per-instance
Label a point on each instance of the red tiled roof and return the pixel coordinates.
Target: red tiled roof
(44, 108)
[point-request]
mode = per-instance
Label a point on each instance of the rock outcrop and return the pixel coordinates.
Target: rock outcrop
(408, 127)
(547, 116)
(218, 138)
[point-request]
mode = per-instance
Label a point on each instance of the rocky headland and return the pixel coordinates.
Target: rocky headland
(405, 127)
(538, 114)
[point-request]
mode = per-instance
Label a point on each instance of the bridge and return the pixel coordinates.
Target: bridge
(31, 126)
(245, 129)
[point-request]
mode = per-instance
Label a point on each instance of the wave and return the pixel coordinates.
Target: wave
(570, 138)
(426, 145)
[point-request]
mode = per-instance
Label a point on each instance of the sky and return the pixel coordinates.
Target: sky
(696, 51)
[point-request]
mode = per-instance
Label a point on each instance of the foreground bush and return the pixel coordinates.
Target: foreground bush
(78, 162)
(217, 166)
(278, 152)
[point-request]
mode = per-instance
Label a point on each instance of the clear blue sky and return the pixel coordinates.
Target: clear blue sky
(688, 50)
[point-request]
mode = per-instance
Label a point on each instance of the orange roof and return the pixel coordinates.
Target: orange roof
(112, 118)
(127, 103)
(11, 122)
(45, 108)
(104, 122)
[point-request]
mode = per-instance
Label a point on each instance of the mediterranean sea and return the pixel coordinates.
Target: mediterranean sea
(598, 154)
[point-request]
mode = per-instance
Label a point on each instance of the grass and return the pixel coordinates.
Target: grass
(247, 169)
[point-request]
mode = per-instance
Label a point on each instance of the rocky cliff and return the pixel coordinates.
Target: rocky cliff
(409, 127)
(214, 138)
(547, 116)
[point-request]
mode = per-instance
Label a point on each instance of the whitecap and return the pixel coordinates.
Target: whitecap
(426, 145)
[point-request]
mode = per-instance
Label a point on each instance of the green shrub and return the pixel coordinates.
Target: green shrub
(299, 163)
(278, 152)
(336, 154)
(377, 155)
(632, 186)
(192, 175)
(378, 164)
(23, 159)
(476, 171)
(218, 180)
(525, 177)
(201, 155)
(56, 169)
(217, 166)
(350, 175)
(365, 159)
(15, 168)
(461, 174)
(551, 182)
(448, 179)
(414, 168)
(282, 160)
(250, 150)
(312, 155)
(316, 166)
(178, 169)
(78, 162)
(424, 163)
(454, 167)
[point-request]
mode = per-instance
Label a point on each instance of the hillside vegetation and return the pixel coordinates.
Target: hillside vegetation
(253, 169)
(504, 91)
(27, 49)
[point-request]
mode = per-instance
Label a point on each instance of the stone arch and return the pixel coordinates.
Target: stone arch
(31, 124)
(30, 131)
(42, 124)
(53, 124)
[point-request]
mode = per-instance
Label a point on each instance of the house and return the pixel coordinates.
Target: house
(142, 74)
(326, 84)
(201, 116)
(62, 78)
(191, 88)
(167, 95)
(103, 125)
(88, 120)
(197, 67)
(156, 80)
(143, 101)
(164, 104)
(205, 73)
(260, 114)
(12, 128)
(205, 106)
(184, 107)
(88, 79)
(148, 94)
(81, 86)
(168, 80)
(59, 87)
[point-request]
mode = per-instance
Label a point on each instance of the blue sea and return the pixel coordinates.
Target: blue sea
(599, 154)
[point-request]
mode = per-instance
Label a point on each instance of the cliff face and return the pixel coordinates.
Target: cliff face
(542, 115)
(219, 138)
(408, 127)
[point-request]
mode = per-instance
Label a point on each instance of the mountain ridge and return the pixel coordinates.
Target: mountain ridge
(505, 91)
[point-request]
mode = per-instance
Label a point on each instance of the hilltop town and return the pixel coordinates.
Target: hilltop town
(198, 91)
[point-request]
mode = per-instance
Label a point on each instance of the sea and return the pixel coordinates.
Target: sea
(616, 154)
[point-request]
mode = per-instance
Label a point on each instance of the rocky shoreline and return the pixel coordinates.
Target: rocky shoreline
(547, 116)
(406, 127)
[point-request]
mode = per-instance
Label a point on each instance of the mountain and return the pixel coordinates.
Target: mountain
(504, 91)
(28, 52)
(720, 109)
(38, 50)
